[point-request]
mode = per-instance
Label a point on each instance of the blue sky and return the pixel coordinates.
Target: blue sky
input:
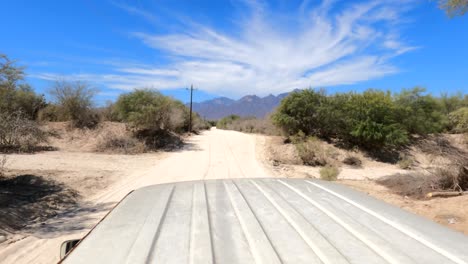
(237, 47)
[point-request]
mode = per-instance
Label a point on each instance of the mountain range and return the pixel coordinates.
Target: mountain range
(247, 106)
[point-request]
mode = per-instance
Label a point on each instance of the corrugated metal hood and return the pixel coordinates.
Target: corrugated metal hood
(264, 221)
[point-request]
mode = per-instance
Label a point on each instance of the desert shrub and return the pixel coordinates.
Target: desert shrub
(414, 185)
(419, 113)
(459, 120)
(75, 101)
(329, 173)
(225, 121)
(299, 137)
(352, 160)
(15, 94)
(418, 185)
(109, 112)
(159, 139)
(405, 162)
(18, 132)
(200, 124)
(52, 113)
(150, 110)
(367, 119)
(453, 177)
(312, 152)
(121, 143)
(300, 111)
(371, 121)
(449, 104)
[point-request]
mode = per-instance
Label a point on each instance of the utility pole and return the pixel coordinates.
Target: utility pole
(190, 118)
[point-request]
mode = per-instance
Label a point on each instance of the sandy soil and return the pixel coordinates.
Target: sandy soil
(103, 180)
(452, 212)
(284, 161)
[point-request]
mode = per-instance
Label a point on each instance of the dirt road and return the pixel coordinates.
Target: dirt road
(213, 154)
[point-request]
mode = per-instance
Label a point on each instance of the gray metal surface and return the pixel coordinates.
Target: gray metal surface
(264, 221)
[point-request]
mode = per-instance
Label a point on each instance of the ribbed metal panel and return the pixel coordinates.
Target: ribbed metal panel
(264, 221)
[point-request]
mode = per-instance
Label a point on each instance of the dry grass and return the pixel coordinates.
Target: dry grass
(405, 162)
(313, 152)
(18, 133)
(329, 173)
(417, 184)
(115, 142)
(66, 138)
(110, 137)
(440, 164)
(159, 139)
(352, 160)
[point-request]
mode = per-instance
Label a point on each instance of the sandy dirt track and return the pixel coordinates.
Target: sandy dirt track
(212, 155)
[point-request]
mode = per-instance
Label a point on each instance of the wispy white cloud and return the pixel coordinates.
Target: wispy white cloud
(319, 45)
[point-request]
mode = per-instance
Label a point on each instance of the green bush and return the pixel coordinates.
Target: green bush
(459, 120)
(367, 119)
(329, 173)
(370, 121)
(300, 111)
(147, 109)
(451, 103)
(419, 113)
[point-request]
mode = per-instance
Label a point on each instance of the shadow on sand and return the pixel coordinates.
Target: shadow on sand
(30, 203)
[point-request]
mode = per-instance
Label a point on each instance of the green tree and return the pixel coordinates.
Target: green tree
(420, 113)
(15, 94)
(370, 121)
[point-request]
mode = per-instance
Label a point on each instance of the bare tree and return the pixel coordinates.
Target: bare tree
(76, 101)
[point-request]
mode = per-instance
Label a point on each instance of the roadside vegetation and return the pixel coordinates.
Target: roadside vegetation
(410, 129)
(153, 121)
(371, 120)
(139, 121)
(248, 125)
